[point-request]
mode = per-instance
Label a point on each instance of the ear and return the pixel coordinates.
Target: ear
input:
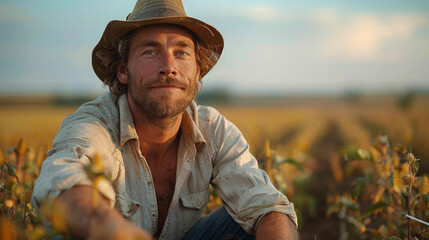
(121, 72)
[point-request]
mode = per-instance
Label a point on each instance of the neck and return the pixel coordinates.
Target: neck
(156, 140)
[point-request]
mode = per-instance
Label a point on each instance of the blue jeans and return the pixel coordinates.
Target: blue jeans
(218, 225)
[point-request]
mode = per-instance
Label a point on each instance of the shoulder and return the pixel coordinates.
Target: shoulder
(209, 114)
(103, 108)
(98, 116)
(211, 119)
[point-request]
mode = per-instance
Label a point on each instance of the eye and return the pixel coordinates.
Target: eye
(182, 53)
(149, 52)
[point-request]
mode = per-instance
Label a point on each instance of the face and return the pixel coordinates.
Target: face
(161, 71)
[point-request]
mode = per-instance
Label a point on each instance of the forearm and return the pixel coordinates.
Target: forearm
(76, 205)
(275, 225)
(84, 221)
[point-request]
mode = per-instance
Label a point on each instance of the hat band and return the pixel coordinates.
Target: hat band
(160, 12)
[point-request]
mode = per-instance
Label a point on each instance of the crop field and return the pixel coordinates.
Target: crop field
(354, 168)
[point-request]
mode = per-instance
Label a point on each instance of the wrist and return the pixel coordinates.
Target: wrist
(104, 214)
(103, 219)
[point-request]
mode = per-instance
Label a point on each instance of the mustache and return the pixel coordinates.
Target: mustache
(165, 81)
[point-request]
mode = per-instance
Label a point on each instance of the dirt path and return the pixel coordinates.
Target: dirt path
(321, 184)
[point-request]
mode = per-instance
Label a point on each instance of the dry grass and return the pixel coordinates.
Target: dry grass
(36, 124)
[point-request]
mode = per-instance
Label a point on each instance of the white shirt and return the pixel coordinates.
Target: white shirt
(211, 151)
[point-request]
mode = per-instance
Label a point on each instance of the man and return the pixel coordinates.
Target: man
(159, 148)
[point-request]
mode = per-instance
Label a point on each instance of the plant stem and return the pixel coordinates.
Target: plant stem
(25, 213)
(410, 189)
(268, 160)
(343, 227)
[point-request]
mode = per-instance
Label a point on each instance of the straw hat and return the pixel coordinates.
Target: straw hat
(147, 12)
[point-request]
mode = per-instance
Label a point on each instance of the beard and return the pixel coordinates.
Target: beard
(164, 108)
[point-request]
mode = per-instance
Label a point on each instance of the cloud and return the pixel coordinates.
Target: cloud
(262, 14)
(12, 14)
(325, 16)
(267, 14)
(366, 36)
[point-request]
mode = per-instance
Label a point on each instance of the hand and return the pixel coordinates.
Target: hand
(86, 222)
(115, 230)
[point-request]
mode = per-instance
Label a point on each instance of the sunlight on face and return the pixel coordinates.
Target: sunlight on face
(161, 71)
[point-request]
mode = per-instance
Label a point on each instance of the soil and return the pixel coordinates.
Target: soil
(317, 225)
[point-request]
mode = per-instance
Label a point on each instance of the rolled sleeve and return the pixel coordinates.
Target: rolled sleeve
(246, 190)
(76, 141)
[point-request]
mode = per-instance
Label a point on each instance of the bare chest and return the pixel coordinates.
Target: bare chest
(164, 179)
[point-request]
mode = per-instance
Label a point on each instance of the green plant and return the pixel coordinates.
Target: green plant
(385, 191)
(18, 171)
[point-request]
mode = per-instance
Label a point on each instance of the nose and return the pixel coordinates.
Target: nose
(168, 66)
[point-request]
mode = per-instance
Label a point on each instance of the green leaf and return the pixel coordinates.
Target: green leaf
(404, 203)
(384, 139)
(277, 160)
(426, 197)
(360, 184)
(363, 154)
(293, 162)
(390, 181)
(334, 208)
(89, 172)
(349, 153)
(393, 238)
(282, 190)
(351, 205)
(11, 169)
(355, 222)
(34, 218)
(416, 167)
(378, 205)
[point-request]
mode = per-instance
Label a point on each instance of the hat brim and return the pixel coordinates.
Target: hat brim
(117, 29)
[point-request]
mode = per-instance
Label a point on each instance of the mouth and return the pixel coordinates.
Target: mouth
(167, 87)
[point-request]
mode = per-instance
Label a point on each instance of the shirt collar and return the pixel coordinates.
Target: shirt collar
(126, 123)
(189, 123)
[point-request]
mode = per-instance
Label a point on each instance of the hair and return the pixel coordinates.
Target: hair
(206, 58)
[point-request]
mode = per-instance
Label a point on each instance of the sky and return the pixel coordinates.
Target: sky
(271, 47)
